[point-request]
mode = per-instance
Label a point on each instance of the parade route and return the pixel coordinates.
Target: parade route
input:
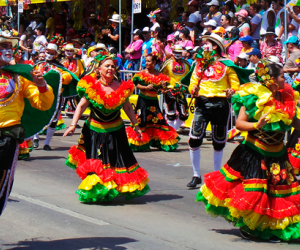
(43, 211)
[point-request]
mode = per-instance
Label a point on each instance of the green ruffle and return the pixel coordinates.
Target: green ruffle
(81, 92)
(136, 193)
(23, 156)
(249, 102)
(168, 148)
(69, 164)
(142, 148)
(292, 231)
(60, 127)
(137, 80)
(296, 85)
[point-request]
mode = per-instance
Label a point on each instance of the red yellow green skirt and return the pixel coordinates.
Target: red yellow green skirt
(293, 148)
(24, 149)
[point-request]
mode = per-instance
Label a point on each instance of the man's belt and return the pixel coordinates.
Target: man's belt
(17, 132)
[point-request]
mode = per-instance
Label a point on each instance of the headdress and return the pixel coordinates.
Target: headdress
(57, 39)
(153, 13)
(206, 58)
(262, 73)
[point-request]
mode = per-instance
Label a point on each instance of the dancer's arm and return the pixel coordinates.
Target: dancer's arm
(130, 113)
(243, 124)
(83, 104)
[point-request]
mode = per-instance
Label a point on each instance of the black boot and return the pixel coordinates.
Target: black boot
(47, 148)
(195, 181)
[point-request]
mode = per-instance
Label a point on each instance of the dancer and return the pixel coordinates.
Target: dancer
(257, 189)
(212, 86)
(175, 101)
(17, 84)
(156, 132)
(67, 88)
(103, 158)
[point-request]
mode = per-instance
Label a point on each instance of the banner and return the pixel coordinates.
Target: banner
(14, 2)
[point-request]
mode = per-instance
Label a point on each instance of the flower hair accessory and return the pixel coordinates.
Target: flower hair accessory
(262, 74)
(103, 55)
(153, 13)
(57, 39)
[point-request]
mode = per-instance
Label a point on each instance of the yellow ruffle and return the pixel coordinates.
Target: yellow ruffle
(132, 187)
(169, 142)
(265, 95)
(250, 218)
(137, 143)
(72, 161)
(89, 182)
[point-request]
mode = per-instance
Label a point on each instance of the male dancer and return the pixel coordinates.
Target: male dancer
(176, 68)
(15, 86)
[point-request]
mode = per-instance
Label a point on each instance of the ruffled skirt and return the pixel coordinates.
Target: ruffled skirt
(293, 148)
(258, 193)
(24, 149)
(107, 166)
(156, 132)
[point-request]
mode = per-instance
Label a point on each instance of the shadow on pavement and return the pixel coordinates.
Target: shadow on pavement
(33, 158)
(96, 243)
(120, 201)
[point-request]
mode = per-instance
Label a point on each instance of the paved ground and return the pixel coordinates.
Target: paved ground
(43, 211)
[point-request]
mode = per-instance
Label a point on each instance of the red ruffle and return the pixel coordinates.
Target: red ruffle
(152, 79)
(259, 202)
(295, 162)
(131, 134)
(24, 145)
(77, 155)
(161, 134)
(287, 103)
(95, 165)
(135, 177)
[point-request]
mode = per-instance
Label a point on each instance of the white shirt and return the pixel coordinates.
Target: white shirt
(194, 18)
(32, 25)
(154, 26)
(295, 32)
(265, 22)
(37, 44)
(278, 24)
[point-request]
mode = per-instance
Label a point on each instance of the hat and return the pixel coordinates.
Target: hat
(185, 31)
(242, 13)
(211, 22)
(116, 18)
(255, 52)
(270, 32)
(69, 46)
(226, 2)
(243, 56)
(215, 38)
(196, 48)
(90, 49)
(52, 46)
(152, 14)
(274, 59)
(192, 3)
(176, 33)
(189, 49)
(77, 39)
(177, 48)
(29, 30)
(213, 2)
(292, 39)
(5, 36)
(247, 39)
(100, 46)
(146, 30)
(219, 30)
(170, 37)
(136, 32)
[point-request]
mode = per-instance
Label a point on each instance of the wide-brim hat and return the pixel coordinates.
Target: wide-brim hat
(5, 37)
(215, 38)
(177, 48)
(77, 38)
(116, 18)
(69, 46)
(270, 32)
(52, 46)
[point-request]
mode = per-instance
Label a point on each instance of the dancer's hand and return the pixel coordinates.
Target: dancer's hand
(138, 132)
(263, 121)
(150, 86)
(229, 92)
(70, 131)
(38, 78)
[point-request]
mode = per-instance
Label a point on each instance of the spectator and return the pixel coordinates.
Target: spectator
(240, 4)
(255, 23)
(293, 27)
(93, 24)
(235, 46)
(146, 47)
(32, 21)
(135, 49)
(40, 41)
(225, 22)
(210, 26)
(185, 39)
(229, 9)
(268, 19)
(214, 13)
(152, 17)
(70, 30)
(39, 21)
(155, 32)
(34, 56)
(26, 42)
(89, 39)
(254, 58)
(246, 41)
(179, 13)
(194, 17)
(42, 56)
(243, 60)
(114, 36)
(270, 46)
(176, 24)
(294, 53)
(187, 54)
(261, 9)
(169, 47)
(220, 31)
(279, 20)
(158, 49)
(243, 25)
(50, 27)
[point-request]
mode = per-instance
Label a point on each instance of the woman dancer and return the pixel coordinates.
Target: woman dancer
(257, 189)
(103, 158)
(156, 131)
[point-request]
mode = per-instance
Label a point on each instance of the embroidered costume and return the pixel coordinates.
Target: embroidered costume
(103, 158)
(257, 189)
(156, 132)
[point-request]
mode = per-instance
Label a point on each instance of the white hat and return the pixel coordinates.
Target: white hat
(211, 22)
(116, 18)
(213, 2)
(100, 46)
(136, 31)
(69, 46)
(5, 36)
(243, 56)
(177, 48)
(146, 29)
(215, 38)
(196, 48)
(274, 59)
(176, 33)
(52, 46)
(188, 48)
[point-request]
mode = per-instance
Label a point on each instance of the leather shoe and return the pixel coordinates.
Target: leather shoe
(47, 147)
(195, 181)
(35, 143)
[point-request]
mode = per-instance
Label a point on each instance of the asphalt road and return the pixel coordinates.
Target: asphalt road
(43, 211)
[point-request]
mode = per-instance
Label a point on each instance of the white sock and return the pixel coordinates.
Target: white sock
(178, 124)
(195, 159)
(50, 133)
(36, 137)
(218, 155)
(171, 123)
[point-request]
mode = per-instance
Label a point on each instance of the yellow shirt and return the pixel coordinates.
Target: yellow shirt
(175, 73)
(50, 26)
(76, 66)
(216, 79)
(11, 108)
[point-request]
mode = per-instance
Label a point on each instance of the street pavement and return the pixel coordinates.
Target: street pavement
(43, 211)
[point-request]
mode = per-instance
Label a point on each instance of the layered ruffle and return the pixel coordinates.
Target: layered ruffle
(145, 79)
(91, 89)
(294, 158)
(24, 149)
